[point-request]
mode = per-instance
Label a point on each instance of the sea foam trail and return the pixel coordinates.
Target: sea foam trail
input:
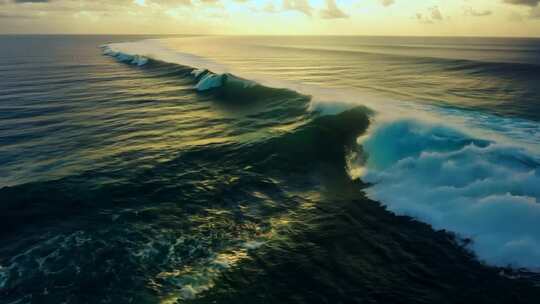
(472, 173)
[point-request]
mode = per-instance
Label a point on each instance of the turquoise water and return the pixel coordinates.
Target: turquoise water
(269, 169)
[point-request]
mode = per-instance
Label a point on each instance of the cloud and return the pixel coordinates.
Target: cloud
(387, 2)
(332, 11)
(432, 15)
(62, 9)
(469, 11)
(208, 3)
(535, 13)
(31, 1)
(435, 13)
(515, 17)
(422, 18)
(298, 5)
(523, 2)
(269, 8)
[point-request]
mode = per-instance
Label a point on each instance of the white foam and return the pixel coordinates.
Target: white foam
(125, 57)
(140, 61)
(481, 190)
(210, 81)
(251, 245)
(198, 72)
(188, 292)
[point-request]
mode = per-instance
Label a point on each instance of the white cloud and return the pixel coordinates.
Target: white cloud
(298, 5)
(332, 11)
(469, 11)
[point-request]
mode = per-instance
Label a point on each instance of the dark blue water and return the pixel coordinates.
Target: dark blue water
(135, 178)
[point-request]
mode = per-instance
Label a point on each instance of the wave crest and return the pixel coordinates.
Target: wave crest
(226, 85)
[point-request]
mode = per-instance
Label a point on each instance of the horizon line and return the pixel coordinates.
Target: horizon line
(269, 35)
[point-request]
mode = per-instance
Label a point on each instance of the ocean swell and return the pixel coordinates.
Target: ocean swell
(419, 161)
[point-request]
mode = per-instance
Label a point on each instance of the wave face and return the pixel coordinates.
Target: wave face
(206, 169)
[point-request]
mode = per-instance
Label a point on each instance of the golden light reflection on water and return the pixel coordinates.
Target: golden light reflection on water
(195, 279)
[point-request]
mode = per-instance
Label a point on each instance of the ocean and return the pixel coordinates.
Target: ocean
(268, 169)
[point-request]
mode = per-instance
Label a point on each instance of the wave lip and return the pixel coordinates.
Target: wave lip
(209, 80)
(124, 57)
(483, 191)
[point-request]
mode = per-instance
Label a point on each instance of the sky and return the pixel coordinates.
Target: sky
(273, 17)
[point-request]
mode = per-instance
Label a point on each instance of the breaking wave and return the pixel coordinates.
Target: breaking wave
(471, 173)
(224, 84)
